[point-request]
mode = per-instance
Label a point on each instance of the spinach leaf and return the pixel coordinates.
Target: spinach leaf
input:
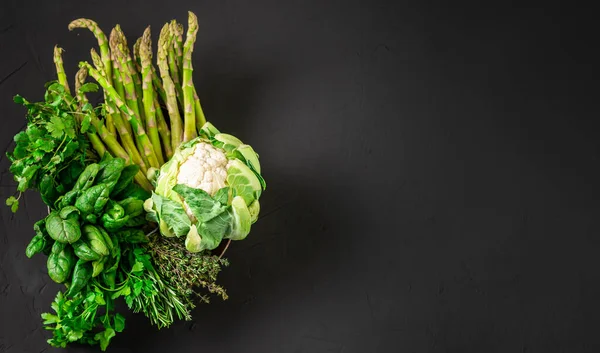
(133, 190)
(111, 172)
(63, 230)
(69, 198)
(81, 275)
(98, 266)
(36, 245)
(93, 200)
(132, 235)
(132, 206)
(114, 210)
(113, 224)
(69, 212)
(40, 241)
(136, 221)
(95, 239)
(86, 179)
(48, 192)
(125, 179)
(84, 251)
(107, 240)
(60, 262)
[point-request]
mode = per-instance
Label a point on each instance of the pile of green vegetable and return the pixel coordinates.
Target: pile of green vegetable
(143, 193)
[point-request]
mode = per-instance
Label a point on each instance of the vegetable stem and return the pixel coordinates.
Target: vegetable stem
(164, 43)
(102, 42)
(148, 94)
(60, 70)
(188, 85)
(148, 150)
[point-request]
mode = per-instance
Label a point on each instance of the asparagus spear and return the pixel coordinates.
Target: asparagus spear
(123, 127)
(137, 61)
(121, 66)
(118, 85)
(156, 82)
(147, 148)
(60, 70)
(100, 67)
(188, 85)
(177, 30)
(145, 52)
(133, 71)
(164, 43)
(102, 42)
(163, 128)
(172, 59)
(108, 138)
(158, 85)
(200, 118)
(117, 79)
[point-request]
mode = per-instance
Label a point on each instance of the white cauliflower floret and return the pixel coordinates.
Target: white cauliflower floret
(205, 169)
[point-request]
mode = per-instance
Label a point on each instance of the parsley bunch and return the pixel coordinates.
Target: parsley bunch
(52, 151)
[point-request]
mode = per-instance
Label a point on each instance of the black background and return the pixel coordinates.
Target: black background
(432, 174)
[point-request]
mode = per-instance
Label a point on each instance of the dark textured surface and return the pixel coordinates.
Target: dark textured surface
(433, 174)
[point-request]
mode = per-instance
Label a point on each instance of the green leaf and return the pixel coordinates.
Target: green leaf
(222, 195)
(13, 202)
(49, 318)
(93, 200)
(132, 235)
(56, 127)
(84, 251)
(119, 322)
(95, 239)
(85, 123)
(100, 300)
(137, 288)
(254, 209)
(36, 245)
(138, 266)
(132, 206)
(244, 181)
(69, 212)
(63, 230)
(107, 240)
(88, 87)
(241, 219)
(81, 275)
(203, 206)
(172, 214)
(213, 231)
(104, 338)
(60, 263)
(111, 172)
(125, 179)
(193, 242)
(226, 142)
(249, 156)
(87, 177)
(98, 266)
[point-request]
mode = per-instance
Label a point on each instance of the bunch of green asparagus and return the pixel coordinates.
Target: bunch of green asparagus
(147, 113)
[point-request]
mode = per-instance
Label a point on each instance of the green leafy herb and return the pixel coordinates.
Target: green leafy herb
(50, 142)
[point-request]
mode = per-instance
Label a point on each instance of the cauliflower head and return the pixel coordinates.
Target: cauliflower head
(208, 191)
